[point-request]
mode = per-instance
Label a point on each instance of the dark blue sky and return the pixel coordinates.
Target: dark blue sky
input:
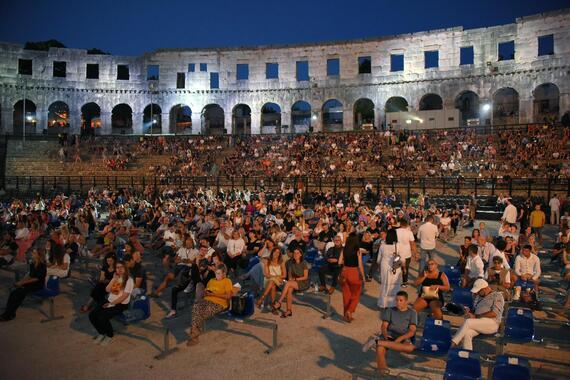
(132, 27)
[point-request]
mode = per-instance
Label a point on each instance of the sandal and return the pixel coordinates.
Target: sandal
(286, 314)
(277, 305)
(259, 303)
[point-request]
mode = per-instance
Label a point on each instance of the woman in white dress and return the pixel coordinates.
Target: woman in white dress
(390, 279)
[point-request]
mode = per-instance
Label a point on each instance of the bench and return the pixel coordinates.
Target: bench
(49, 292)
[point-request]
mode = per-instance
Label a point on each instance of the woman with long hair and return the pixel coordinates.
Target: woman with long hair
(33, 282)
(119, 292)
(298, 280)
(274, 274)
(352, 273)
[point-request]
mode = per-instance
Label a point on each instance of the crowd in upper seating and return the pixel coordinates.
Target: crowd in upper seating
(530, 152)
(209, 243)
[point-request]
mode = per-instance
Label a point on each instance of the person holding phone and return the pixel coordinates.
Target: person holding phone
(119, 292)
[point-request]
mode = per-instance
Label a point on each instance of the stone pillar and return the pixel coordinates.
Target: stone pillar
(7, 122)
(41, 121)
(317, 120)
(75, 123)
(379, 116)
(255, 123)
(564, 105)
(228, 122)
(165, 120)
(286, 120)
(138, 123)
(347, 120)
(106, 125)
(196, 123)
(526, 111)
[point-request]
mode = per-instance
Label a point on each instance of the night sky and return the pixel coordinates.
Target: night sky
(132, 27)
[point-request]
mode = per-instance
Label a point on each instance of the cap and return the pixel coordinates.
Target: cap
(478, 285)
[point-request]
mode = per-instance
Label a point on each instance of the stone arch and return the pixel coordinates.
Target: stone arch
(396, 104)
(301, 117)
(364, 114)
(430, 102)
(122, 119)
(180, 119)
(58, 118)
(152, 119)
(30, 118)
(467, 102)
(90, 118)
(546, 103)
(241, 119)
(212, 120)
(333, 116)
(271, 118)
(506, 106)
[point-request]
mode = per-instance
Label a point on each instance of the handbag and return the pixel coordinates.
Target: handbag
(429, 294)
(238, 304)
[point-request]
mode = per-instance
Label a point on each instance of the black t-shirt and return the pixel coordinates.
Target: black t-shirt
(366, 246)
(38, 271)
(351, 250)
(294, 244)
(333, 253)
(137, 271)
(288, 224)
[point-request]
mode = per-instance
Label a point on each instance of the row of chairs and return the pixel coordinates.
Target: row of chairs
(466, 365)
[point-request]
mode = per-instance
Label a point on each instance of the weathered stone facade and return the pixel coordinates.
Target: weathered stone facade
(485, 76)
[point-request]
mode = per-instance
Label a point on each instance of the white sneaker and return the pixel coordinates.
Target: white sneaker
(370, 343)
(107, 341)
(171, 314)
(98, 339)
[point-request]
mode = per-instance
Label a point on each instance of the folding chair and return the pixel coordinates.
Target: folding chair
(462, 365)
(49, 292)
(511, 368)
(436, 337)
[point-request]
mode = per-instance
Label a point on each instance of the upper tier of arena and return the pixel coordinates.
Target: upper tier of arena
(507, 74)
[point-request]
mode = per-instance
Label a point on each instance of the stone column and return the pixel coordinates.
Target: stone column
(196, 123)
(564, 105)
(165, 120)
(228, 122)
(525, 111)
(106, 126)
(379, 116)
(41, 121)
(255, 123)
(75, 123)
(7, 120)
(317, 120)
(347, 120)
(286, 120)
(138, 123)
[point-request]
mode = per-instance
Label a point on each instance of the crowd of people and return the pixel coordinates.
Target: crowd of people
(213, 245)
(532, 152)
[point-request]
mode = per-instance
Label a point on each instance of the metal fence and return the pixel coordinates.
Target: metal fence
(406, 187)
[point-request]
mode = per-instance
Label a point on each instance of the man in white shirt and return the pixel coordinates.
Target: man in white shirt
(405, 246)
(427, 235)
(474, 267)
(554, 205)
(169, 250)
(499, 252)
(510, 213)
(235, 247)
(486, 250)
(527, 268)
(185, 256)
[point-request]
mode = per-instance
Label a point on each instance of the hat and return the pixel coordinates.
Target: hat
(478, 285)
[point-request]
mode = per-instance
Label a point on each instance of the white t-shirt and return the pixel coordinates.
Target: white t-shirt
(405, 237)
(510, 214)
(235, 247)
(170, 238)
(554, 204)
(427, 234)
(128, 289)
(475, 266)
(496, 252)
(187, 254)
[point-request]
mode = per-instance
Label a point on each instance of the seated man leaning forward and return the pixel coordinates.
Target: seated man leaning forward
(398, 328)
(485, 317)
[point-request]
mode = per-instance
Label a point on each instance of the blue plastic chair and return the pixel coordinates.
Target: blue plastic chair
(461, 296)
(436, 338)
(462, 365)
(311, 255)
(138, 311)
(453, 275)
(511, 368)
(520, 325)
(249, 308)
(49, 292)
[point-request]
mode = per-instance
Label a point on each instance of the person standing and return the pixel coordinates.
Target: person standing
(510, 213)
(427, 234)
(405, 246)
(537, 221)
(390, 270)
(554, 205)
(352, 273)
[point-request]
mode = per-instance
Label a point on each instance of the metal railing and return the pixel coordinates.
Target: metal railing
(407, 187)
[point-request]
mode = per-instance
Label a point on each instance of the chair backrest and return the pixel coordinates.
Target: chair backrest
(453, 275)
(436, 337)
(511, 368)
(463, 297)
(462, 364)
(53, 284)
(519, 325)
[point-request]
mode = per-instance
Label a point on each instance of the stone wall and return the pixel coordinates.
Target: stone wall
(484, 77)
